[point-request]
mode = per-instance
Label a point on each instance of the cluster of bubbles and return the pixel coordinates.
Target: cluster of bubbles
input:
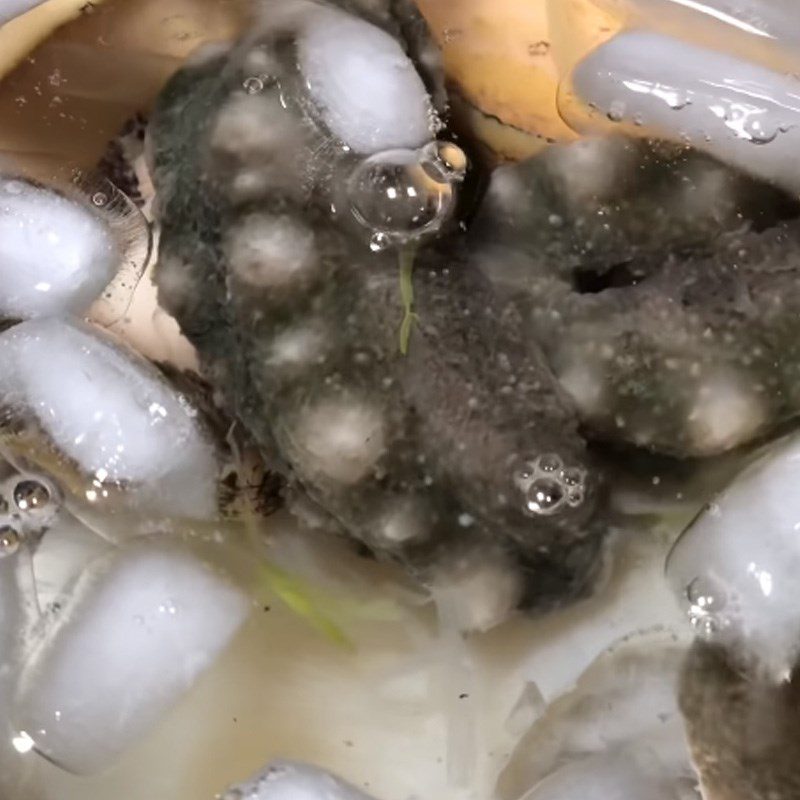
(27, 506)
(548, 485)
(401, 195)
(707, 601)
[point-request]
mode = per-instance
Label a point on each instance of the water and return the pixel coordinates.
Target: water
(349, 663)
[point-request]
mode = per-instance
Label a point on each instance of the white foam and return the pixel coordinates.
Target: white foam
(142, 626)
(368, 92)
(55, 256)
(111, 412)
(740, 112)
(290, 780)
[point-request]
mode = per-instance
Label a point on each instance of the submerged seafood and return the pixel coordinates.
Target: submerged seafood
(279, 257)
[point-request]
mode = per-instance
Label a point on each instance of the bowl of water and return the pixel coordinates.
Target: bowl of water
(398, 399)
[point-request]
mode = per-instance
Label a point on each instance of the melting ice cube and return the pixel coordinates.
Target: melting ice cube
(625, 775)
(366, 87)
(618, 735)
(289, 780)
(735, 569)
(742, 113)
(56, 257)
(143, 624)
(110, 412)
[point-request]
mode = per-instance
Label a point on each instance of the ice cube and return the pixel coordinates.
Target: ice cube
(742, 113)
(627, 775)
(110, 412)
(625, 703)
(291, 780)
(142, 626)
(368, 92)
(56, 256)
(14, 8)
(735, 569)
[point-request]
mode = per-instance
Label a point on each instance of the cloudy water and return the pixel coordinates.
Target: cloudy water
(397, 399)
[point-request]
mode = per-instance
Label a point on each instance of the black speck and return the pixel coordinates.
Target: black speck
(267, 608)
(463, 695)
(539, 48)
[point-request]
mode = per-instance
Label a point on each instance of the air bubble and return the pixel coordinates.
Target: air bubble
(379, 242)
(545, 496)
(253, 85)
(10, 540)
(705, 594)
(706, 602)
(444, 160)
(100, 199)
(30, 495)
(549, 462)
(616, 112)
(575, 497)
(397, 193)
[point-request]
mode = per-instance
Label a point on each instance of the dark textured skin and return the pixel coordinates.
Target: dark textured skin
(744, 733)
(659, 294)
(473, 400)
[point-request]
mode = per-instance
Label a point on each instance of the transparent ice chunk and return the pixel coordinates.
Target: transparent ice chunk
(143, 624)
(618, 734)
